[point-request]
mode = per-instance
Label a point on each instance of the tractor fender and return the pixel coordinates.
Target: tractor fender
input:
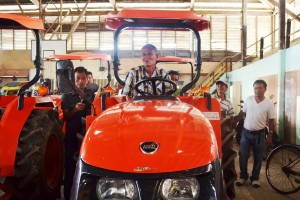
(11, 125)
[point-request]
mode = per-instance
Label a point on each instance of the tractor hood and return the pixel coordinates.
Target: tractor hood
(150, 136)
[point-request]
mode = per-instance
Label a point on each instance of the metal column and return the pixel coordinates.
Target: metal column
(282, 70)
(244, 32)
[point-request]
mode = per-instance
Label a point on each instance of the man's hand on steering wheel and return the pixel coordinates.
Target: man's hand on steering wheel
(153, 81)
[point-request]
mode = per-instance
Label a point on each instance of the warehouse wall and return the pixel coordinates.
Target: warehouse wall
(15, 63)
(15, 59)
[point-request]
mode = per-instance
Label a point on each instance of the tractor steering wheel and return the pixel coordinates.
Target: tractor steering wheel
(152, 81)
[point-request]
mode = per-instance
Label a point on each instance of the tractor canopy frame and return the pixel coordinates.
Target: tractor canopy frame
(85, 56)
(158, 20)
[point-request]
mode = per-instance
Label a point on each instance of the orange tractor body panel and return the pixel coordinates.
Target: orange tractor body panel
(192, 145)
(4, 101)
(114, 21)
(199, 102)
(81, 56)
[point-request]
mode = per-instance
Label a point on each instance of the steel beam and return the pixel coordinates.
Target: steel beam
(74, 27)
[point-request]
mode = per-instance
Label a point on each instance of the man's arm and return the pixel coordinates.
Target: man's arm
(271, 125)
(69, 113)
(68, 107)
(271, 130)
(229, 117)
(240, 116)
(128, 81)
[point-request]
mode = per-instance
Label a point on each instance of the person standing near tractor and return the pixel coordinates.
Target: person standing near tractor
(74, 108)
(259, 112)
(148, 70)
(227, 113)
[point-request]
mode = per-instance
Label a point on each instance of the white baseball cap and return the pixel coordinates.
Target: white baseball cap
(221, 82)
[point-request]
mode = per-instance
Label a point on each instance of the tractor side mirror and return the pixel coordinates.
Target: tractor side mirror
(65, 76)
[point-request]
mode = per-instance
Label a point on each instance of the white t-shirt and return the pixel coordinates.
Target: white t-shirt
(257, 114)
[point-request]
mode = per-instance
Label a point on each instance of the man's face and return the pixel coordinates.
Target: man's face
(259, 90)
(149, 57)
(80, 80)
(221, 88)
(89, 79)
(174, 78)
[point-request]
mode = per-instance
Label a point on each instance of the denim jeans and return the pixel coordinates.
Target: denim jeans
(257, 142)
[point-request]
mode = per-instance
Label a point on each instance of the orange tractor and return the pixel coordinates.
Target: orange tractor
(151, 147)
(31, 140)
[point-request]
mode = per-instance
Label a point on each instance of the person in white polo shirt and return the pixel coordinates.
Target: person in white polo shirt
(259, 112)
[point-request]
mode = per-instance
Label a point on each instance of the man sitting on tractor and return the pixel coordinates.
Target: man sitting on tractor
(148, 70)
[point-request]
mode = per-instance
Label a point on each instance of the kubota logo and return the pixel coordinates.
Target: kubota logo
(149, 147)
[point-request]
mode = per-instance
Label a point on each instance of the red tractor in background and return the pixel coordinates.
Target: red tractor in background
(178, 61)
(31, 140)
(150, 147)
(86, 56)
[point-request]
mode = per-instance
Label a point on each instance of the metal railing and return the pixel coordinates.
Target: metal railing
(222, 67)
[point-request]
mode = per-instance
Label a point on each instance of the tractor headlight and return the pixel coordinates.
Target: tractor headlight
(116, 189)
(180, 189)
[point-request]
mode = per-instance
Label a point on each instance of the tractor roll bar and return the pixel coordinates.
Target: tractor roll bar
(38, 62)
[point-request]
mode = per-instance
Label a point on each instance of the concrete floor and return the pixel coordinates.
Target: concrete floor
(247, 192)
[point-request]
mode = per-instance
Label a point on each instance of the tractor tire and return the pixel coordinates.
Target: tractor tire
(228, 156)
(39, 162)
